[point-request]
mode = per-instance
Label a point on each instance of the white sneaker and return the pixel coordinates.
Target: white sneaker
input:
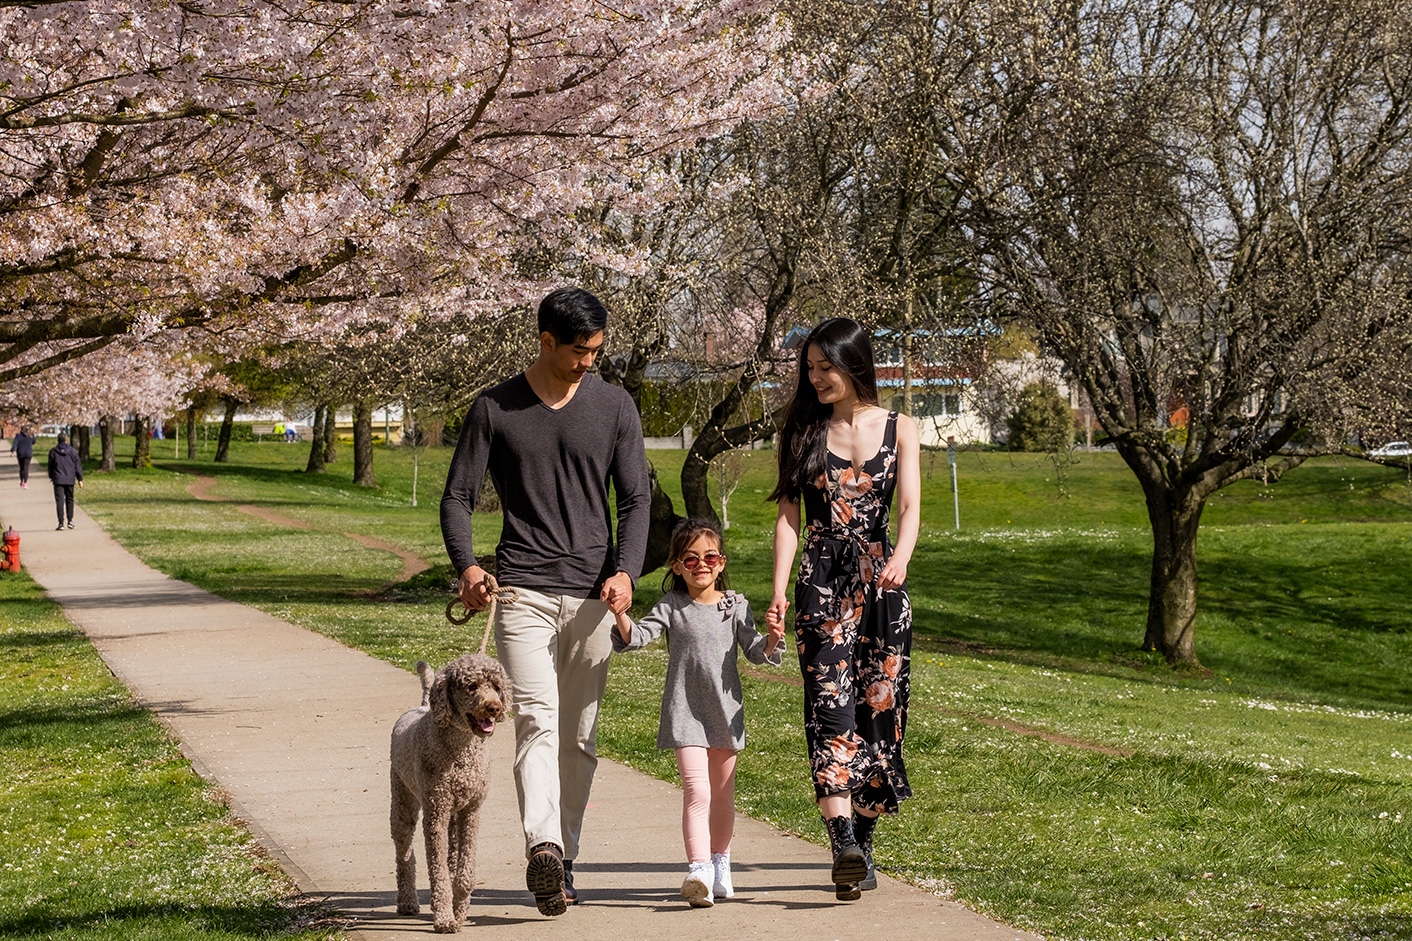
(696, 888)
(721, 862)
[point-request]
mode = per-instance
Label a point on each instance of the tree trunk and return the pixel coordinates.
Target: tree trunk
(330, 433)
(316, 449)
(105, 434)
(662, 519)
(363, 444)
(142, 444)
(227, 422)
(80, 437)
(409, 427)
(1175, 517)
(713, 439)
(191, 433)
(633, 372)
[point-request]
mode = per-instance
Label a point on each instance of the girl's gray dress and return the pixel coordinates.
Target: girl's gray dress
(701, 703)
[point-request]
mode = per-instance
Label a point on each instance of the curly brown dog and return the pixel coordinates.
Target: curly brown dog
(440, 767)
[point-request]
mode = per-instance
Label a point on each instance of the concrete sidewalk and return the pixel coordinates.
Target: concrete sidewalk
(295, 727)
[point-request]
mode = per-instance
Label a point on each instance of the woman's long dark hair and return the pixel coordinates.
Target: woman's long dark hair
(804, 437)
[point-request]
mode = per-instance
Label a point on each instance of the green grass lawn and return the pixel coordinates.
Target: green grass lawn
(105, 831)
(1267, 797)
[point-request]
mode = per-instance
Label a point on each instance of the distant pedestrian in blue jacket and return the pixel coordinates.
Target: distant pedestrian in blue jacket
(22, 447)
(65, 470)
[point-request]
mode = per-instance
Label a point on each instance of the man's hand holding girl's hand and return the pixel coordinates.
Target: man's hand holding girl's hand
(617, 593)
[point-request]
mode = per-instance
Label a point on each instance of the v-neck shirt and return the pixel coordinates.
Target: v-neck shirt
(552, 468)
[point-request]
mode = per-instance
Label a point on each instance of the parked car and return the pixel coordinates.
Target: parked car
(1392, 449)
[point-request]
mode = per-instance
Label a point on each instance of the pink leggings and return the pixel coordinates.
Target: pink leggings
(708, 800)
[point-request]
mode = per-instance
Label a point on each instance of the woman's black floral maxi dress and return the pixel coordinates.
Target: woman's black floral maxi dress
(855, 643)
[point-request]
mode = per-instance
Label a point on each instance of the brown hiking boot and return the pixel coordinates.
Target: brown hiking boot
(544, 876)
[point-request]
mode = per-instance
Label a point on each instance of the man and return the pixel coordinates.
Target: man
(552, 438)
(65, 469)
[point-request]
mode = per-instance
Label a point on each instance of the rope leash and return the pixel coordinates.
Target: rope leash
(498, 596)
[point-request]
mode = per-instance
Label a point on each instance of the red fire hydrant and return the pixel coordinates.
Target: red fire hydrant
(11, 559)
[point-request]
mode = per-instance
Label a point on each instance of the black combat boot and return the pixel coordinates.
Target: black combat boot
(863, 832)
(849, 866)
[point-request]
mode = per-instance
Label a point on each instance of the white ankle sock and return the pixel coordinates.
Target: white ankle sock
(721, 863)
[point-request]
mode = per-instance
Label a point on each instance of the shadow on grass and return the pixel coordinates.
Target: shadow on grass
(155, 920)
(1281, 616)
(86, 718)
(1068, 599)
(58, 640)
(270, 588)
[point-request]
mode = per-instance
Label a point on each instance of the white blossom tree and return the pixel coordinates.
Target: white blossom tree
(1203, 208)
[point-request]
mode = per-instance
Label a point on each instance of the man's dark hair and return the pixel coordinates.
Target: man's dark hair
(571, 314)
(63, 438)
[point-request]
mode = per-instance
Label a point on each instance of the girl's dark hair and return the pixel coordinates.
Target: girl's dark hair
(571, 314)
(687, 532)
(805, 434)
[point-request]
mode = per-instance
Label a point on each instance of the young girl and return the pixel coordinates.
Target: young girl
(703, 717)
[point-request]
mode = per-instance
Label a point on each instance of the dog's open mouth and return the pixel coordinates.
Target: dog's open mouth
(485, 726)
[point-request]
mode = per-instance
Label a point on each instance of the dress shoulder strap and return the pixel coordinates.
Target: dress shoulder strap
(890, 436)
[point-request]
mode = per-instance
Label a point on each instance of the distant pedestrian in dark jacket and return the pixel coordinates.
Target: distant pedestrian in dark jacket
(22, 447)
(65, 470)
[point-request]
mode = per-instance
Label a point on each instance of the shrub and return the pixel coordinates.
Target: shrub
(1041, 421)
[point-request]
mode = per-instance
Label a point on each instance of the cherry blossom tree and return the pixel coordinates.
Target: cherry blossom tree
(123, 378)
(432, 368)
(273, 172)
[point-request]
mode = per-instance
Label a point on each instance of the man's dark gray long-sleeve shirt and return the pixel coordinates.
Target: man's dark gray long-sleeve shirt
(551, 469)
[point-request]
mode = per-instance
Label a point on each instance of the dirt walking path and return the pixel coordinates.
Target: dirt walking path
(412, 563)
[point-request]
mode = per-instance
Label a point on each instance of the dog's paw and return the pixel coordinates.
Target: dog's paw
(446, 927)
(409, 908)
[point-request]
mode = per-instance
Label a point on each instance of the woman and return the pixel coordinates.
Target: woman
(843, 457)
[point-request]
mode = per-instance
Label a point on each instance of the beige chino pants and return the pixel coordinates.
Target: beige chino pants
(555, 649)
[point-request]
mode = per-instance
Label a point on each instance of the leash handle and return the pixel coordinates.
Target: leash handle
(498, 596)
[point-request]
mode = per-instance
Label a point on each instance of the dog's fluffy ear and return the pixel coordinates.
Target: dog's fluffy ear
(440, 700)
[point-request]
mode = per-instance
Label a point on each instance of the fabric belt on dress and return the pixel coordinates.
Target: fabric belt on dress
(857, 543)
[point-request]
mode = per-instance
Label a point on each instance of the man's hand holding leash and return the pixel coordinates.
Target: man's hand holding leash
(474, 593)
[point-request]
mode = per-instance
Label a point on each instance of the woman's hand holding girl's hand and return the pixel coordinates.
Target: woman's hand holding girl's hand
(893, 574)
(775, 638)
(774, 614)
